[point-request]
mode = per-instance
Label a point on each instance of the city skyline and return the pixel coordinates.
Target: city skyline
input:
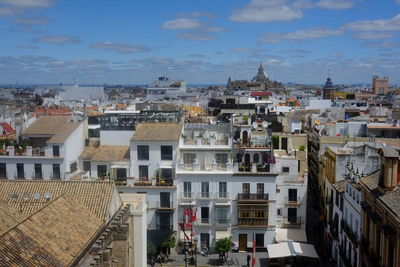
(45, 41)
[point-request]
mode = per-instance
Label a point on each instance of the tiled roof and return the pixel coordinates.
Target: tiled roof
(165, 131)
(339, 186)
(53, 236)
(59, 127)
(371, 181)
(106, 153)
(29, 195)
(390, 152)
(7, 127)
(392, 200)
(9, 216)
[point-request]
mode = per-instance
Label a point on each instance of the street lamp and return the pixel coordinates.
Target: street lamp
(195, 251)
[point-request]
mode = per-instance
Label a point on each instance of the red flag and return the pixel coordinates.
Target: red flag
(188, 217)
(182, 226)
(194, 217)
(253, 254)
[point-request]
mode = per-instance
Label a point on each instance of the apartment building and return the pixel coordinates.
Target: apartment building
(53, 146)
(380, 240)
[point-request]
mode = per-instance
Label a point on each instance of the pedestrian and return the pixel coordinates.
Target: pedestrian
(152, 262)
(248, 260)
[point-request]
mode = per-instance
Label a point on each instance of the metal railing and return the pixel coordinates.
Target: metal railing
(292, 200)
(253, 221)
(164, 204)
(252, 197)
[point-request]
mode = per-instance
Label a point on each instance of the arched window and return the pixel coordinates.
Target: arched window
(256, 158)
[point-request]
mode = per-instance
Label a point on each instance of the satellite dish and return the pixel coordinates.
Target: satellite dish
(265, 124)
(47, 196)
(36, 196)
(254, 125)
(14, 196)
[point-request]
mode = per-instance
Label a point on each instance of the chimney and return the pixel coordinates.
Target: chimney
(389, 158)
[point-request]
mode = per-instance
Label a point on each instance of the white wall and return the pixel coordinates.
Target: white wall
(115, 138)
(74, 145)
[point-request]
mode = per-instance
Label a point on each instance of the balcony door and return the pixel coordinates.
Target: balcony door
(292, 195)
(242, 242)
(292, 215)
(205, 240)
(205, 215)
(165, 200)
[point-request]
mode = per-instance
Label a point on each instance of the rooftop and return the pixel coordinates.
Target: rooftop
(105, 153)
(58, 127)
(9, 216)
(157, 132)
(339, 186)
(30, 195)
(392, 200)
(52, 236)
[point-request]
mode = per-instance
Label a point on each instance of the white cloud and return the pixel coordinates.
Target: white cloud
(197, 14)
(13, 7)
(31, 47)
(327, 4)
(196, 36)
(121, 48)
(182, 24)
(370, 35)
(300, 35)
(57, 39)
(266, 11)
(214, 29)
(392, 24)
(31, 20)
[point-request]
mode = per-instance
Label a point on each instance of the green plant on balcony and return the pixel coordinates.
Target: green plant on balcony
(302, 148)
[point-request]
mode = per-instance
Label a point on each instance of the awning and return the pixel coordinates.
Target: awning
(305, 250)
(291, 249)
(280, 250)
(94, 126)
(222, 234)
(119, 167)
(284, 235)
(228, 203)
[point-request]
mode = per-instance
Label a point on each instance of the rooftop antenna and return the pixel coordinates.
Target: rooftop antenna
(329, 73)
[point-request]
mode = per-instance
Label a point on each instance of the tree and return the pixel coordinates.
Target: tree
(151, 250)
(223, 245)
(169, 243)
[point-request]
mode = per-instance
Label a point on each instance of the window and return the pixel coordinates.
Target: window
(187, 189)
(164, 221)
(292, 195)
(285, 169)
(246, 189)
(101, 170)
(221, 215)
(256, 158)
(298, 165)
(205, 240)
(292, 215)
(143, 152)
(87, 166)
(73, 167)
(143, 173)
(221, 158)
(222, 192)
(56, 151)
(121, 174)
(205, 215)
(205, 189)
(165, 200)
(166, 173)
(284, 143)
(20, 170)
(260, 190)
(56, 171)
(166, 152)
(189, 158)
(38, 171)
(3, 171)
(278, 211)
(259, 240)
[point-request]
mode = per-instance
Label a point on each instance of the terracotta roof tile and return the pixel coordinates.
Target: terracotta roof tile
(96, 196)
(53, 236)
(165, 131)
(9, 216)
(106, 153)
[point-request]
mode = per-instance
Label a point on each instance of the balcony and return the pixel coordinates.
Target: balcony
(164, 206)
(222, 196)
(211, 167)
(253, 222)
(252, 197)
(164, 226)
(142, 181)
(204, 221)
(291, 222)
(205, 142)
(292, 201)
(204, 195)
(349, 232)
(254, 169)
(28, 151)
(164, 182)
(222, 221)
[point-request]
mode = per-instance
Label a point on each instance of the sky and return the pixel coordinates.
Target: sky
(201, 42)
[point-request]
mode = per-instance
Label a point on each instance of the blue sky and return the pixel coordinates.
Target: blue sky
(126, 41)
